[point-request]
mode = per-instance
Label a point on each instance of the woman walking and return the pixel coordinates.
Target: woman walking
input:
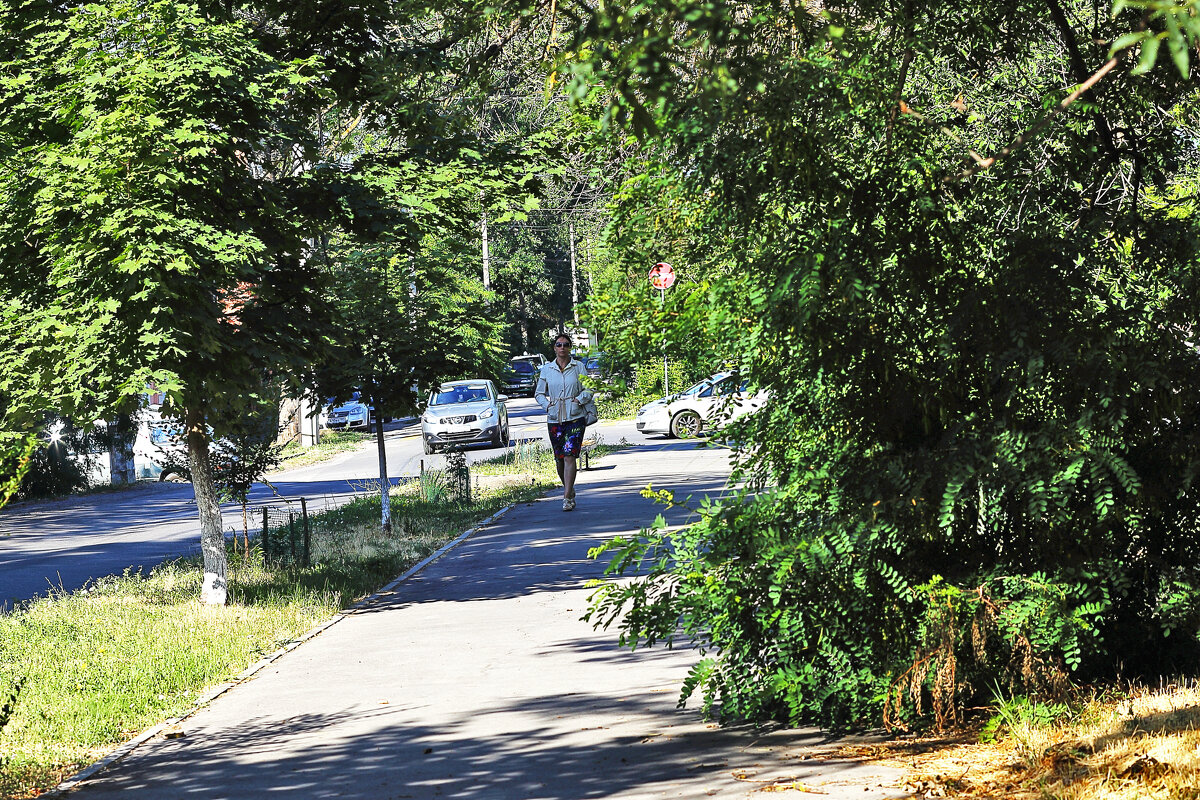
(561, 394)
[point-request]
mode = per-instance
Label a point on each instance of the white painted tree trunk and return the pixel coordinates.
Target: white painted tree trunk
(212, 533)
(574, 276)
(384, 484)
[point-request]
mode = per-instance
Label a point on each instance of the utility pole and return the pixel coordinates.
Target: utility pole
(574, 275)
(587, 259)
(487, 277)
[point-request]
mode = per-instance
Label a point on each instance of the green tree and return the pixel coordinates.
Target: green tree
(969, 291)
(405, 321)
(146, 237)
(406, 278)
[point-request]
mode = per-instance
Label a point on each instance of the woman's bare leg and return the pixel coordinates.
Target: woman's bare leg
(570, 466)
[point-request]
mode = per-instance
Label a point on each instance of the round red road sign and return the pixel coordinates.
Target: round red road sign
(662, 276)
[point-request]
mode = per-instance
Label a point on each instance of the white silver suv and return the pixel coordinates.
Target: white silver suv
(464, 413)
(703, 407)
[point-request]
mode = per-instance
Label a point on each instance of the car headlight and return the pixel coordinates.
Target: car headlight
(487, 413)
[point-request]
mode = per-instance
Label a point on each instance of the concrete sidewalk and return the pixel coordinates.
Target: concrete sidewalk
(477, 679)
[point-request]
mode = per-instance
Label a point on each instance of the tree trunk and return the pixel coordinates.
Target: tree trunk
(212, 534)
(487, 274)
(574, 276)
(524, 317)
(384, 484)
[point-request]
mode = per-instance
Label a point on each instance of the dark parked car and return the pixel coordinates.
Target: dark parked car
(593, 365)
(520, 376)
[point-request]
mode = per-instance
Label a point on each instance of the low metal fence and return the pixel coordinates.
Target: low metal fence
(286, 535)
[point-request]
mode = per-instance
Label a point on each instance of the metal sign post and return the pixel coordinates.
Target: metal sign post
(662, 277)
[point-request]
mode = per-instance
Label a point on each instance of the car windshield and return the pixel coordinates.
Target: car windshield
(523, 367)
(355, 397)
(699, 387)
(449, 395)
(727, 386)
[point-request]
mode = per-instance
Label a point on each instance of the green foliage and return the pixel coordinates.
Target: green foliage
(458, 477)
(404, 323)
(146, 244)
(58, 464)
(238, 460)
(52, 471)
(620, 404)
(1018, 712)
(16, 454)
(1177, 24)
(617, 398)
(10, 701)
(983, 386)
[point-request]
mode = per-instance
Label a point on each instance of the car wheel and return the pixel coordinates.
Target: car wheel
(499, 440)
(429, 448)
(685, 425)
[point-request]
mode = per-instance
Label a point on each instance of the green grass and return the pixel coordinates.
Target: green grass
(330, 443)
(100, 665)
(534, 457)
(623, 407)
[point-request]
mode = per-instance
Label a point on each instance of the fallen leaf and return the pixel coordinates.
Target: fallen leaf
(794, 786)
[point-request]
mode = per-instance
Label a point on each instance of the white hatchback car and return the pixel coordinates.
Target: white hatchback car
(463, 413)
(705, 406)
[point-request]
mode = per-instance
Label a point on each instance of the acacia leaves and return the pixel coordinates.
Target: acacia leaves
(989, 383)
(1176, 24)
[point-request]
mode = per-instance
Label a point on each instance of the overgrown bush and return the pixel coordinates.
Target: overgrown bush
(980, 459)
(59, 466)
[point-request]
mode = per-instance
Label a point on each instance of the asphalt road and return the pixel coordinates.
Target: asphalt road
(63, 544)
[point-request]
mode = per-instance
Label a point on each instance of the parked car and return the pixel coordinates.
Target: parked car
(593, 365)
(465, 413)
(703, 407)
(520, 376)
(354, 413)
(160, 450)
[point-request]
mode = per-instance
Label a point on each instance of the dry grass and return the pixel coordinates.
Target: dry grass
(1142, 744)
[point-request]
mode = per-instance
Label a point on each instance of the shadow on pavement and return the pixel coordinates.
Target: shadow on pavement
(540, 548)
(378, 754)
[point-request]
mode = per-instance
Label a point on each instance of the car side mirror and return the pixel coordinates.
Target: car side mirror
(501, 397)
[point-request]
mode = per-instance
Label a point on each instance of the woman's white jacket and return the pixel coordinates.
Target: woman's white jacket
(561, 393)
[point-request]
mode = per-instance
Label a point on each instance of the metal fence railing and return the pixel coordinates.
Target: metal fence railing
(285, 535)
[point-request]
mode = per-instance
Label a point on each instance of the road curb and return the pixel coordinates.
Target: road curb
(212, 694)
